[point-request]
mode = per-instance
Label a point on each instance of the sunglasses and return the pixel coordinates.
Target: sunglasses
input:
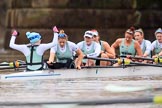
(95, 36)
(34, 37)
(87, 37)
(61, 35)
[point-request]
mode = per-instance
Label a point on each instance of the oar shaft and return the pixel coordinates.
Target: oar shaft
(102, 59)
(3, 68)
(86, 102)
(124, 61)
(145, 64)
(4, 64)
(143, 58)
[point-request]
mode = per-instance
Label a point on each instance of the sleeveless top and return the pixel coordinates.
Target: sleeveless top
(84, 50)
(127, 50)
(62, 57)
(144, 48)
(102, 47)
(34, 60)
(157, 49)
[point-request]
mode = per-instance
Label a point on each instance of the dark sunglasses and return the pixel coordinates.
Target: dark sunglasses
(34, 37)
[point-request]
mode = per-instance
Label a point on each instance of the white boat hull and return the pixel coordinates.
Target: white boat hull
(86, 73)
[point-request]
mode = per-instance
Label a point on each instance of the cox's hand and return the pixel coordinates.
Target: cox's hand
(15, 33)
(55, 30)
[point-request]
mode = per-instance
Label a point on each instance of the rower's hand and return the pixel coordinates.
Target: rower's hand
(155, 56)
(78, 67)
(49, 62)
(84, 56)
(128, 56)
(55, 30)
(15, 33)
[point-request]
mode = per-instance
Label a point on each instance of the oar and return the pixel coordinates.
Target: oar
(156, 60)
(119, 89)
(12, 65)
(102, 59)
(124, 100)
(126, 62)
(3, 68)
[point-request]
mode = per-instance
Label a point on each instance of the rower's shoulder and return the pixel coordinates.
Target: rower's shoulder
(104, 43)
(136, 42)
(119, 40)
(154, 42)
(80, 42)
(148, 42)
(69, 42)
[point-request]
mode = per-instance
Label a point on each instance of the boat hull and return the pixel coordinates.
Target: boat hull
(85, 73)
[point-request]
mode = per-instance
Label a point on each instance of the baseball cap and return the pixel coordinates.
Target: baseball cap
(95, 32)
(88, 34)
(159, 30)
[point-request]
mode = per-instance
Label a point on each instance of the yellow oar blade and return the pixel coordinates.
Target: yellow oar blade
(157, 99)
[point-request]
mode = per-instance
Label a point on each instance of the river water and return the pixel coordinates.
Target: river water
(46, 90)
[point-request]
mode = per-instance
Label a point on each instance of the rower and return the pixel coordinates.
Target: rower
(106, 50)
(157, 44)
(145, 44)
(128, 46)
(63, 52)
(34, 50)
(89, 48)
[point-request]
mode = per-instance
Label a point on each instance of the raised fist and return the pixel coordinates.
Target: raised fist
(15, 33)
(55, 29)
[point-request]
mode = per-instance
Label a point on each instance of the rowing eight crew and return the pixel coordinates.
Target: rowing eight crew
(66, 51)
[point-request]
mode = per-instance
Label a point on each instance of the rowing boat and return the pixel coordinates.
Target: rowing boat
(130, 71)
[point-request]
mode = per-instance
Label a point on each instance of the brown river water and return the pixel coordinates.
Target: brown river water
(45, 90)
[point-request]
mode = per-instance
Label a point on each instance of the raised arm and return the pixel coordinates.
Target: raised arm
(22, 48)
(43, 47)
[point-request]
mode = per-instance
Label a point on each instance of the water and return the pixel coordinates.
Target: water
(74, 89)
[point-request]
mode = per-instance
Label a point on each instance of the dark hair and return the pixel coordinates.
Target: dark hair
(131, 31)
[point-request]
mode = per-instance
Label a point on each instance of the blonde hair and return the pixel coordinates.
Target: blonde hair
(140, 31)
(63, 32)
